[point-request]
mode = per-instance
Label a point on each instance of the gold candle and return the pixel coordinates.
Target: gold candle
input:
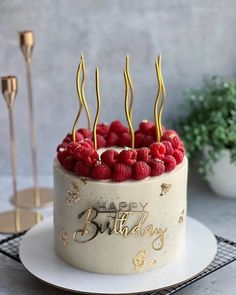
(80, 101)
(130, 87)
(127, 113)
(163, 96)
(156, 113)
(83, 95)
(98, 108)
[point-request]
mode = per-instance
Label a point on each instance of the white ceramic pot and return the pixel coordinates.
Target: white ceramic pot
(223, 179)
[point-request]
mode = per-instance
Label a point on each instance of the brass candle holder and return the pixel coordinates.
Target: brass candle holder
(16, 220)
(35, 197)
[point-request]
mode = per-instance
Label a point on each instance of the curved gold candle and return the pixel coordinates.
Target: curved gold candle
(131, 88)
(156, 113)
(80, 101)
(83, 95)
(163, 97)
(127, 113)
(98, 108)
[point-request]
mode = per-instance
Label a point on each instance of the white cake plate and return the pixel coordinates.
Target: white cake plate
(38, 256)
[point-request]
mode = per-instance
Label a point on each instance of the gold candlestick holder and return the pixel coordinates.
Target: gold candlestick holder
(16, 220)
(35, 197)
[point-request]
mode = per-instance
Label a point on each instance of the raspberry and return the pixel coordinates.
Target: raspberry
(124, 140)
(79, 137)
(69, 163)
(118, 127)
(148, 140)
(112, 139)
(110, 157)
(88, 143)
(92, 158)
(84, 150)
(101, 171)
(143, 154)
(157, 167)
(158, 150)
(103, 129)
(62, 146)
(101, 141)
(173, 138)
(73, 147)
(152, 131)
(141, 170)
(68, 138)
(170, 163)
(169, 134)
(145, 127)
(128, 157)
(62, 154)
(85, 132)
(181, 148)
(176, 142)
(169, 148)
(121, 172)
(81, 169)
(179, 156)
(139, 139)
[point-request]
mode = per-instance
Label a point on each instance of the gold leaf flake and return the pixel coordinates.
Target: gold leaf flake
(181, 218)
(73, 194)
(165, 187)
(153, 262)
(64, 237)
(84, 180)
(139, 260)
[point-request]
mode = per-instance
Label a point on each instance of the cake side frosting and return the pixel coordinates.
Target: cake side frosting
(120, 228)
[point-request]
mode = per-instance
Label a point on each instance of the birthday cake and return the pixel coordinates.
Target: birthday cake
(119, 194)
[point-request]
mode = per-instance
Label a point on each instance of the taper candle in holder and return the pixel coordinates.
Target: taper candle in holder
(35, 197)
(16, 220)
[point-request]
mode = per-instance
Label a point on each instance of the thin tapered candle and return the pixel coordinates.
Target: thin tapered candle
(127, 113)
(83, 95)
(163, 96)
(80, 101)
(98, 108)
(130, 87)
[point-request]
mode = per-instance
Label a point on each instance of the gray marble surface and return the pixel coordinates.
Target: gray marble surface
(218, 213)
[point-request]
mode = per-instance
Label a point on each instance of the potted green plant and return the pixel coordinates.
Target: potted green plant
(209, 132)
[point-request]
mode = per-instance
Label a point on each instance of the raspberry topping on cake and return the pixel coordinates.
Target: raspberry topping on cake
(101, 171)
(121, 172)
(141, 170)
(148, 158)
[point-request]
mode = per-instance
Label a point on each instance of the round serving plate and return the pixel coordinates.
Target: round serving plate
(38, 256)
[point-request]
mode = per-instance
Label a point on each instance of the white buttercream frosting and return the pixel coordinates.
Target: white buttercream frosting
(151, 212)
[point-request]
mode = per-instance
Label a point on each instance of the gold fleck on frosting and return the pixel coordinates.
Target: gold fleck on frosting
(139, 260)
(73, 194)
(83, 180)
(181, 218)
(165, 187)
(64, 237)
(153, 262)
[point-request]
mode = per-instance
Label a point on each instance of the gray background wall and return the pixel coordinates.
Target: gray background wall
(194, 37)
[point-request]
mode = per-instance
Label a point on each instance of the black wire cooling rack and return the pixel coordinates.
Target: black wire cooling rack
(226, 253)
